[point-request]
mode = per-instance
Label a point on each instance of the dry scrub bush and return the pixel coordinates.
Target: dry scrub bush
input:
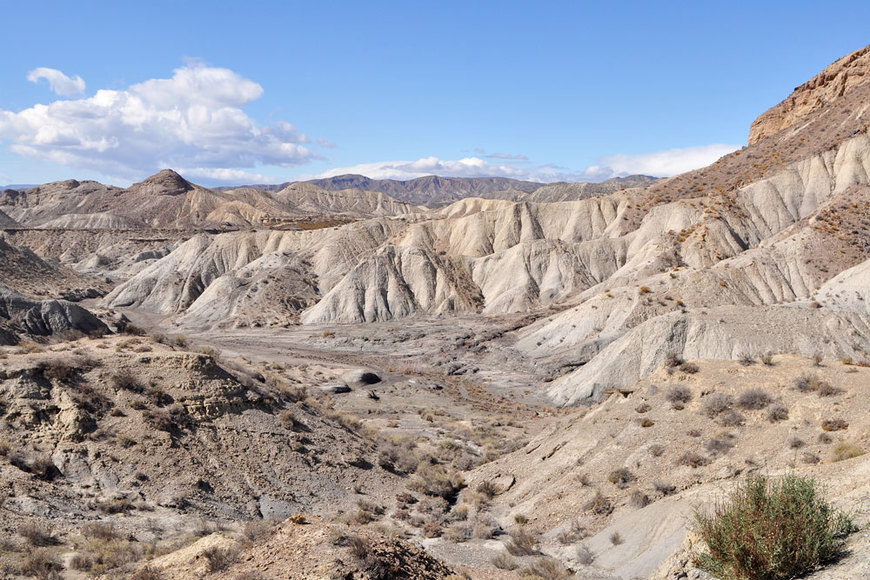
(810, 458)
(638, 499)
(219, 559)
(616, 538)
(621, 477)
(807, 382)
(678, 396)
(771, 529)
(673, 360)
(100, 531)
(126, 381)
(719, 445)
(504, 562)
(827, 390)
(599, 505)
(754, 399)
(522, 543)
(147, 573)
(730, 418)
(689, 368)
(664, 488)
(487, 489)
(777, 412)
(545, 569)
(716, 403)
(438, 481)
(693, 460)
(834, 425)
(37, 534)
(846, 450)
(575, 532)
(41, 564)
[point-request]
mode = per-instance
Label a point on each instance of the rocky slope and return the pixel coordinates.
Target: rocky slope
(125, 420)
(832, 83)
(432, 190)
(167, 200)
(7, 222)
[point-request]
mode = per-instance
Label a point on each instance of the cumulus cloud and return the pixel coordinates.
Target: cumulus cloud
(58, 82)
(659, 163)
(226, 175)
(194, 119)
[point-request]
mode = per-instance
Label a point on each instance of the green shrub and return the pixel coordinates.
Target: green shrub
(771, 529)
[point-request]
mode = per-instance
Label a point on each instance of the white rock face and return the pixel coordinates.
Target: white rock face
(848, 291)
(721, 333)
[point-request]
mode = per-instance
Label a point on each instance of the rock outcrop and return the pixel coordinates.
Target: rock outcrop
(832, 83)
(23, 316)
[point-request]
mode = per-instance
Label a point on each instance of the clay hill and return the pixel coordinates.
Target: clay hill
(481, 378)
(632, 276)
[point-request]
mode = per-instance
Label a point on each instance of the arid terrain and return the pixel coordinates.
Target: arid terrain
(479, 378)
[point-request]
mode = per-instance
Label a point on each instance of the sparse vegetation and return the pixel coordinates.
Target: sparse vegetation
(599, 505)
(716, 404)
(37, 534)
(777, 412)
(730, 418)
(754, 399)
(673, 360)
(621, 477)
(771, 529)
(834, 425)
(656, 450)
(719, 445)
(664, 488)
(504, 562)
(689, 368)
(546, 569)
(616, 538)
(846, 450)
(678, 396)
(522, 543)
(693, 460)
(125, 380)
(638, 499)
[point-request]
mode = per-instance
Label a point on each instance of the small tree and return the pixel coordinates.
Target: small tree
(771, 529)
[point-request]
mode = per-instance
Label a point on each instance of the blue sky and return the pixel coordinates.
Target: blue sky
(274, 91)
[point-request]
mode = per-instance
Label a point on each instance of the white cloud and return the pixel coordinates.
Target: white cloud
(58, 82)
(226, 176)
(194, 119)
(659, 163)
(467, 167)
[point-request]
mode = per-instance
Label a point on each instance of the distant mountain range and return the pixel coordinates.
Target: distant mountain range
(435, 191)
